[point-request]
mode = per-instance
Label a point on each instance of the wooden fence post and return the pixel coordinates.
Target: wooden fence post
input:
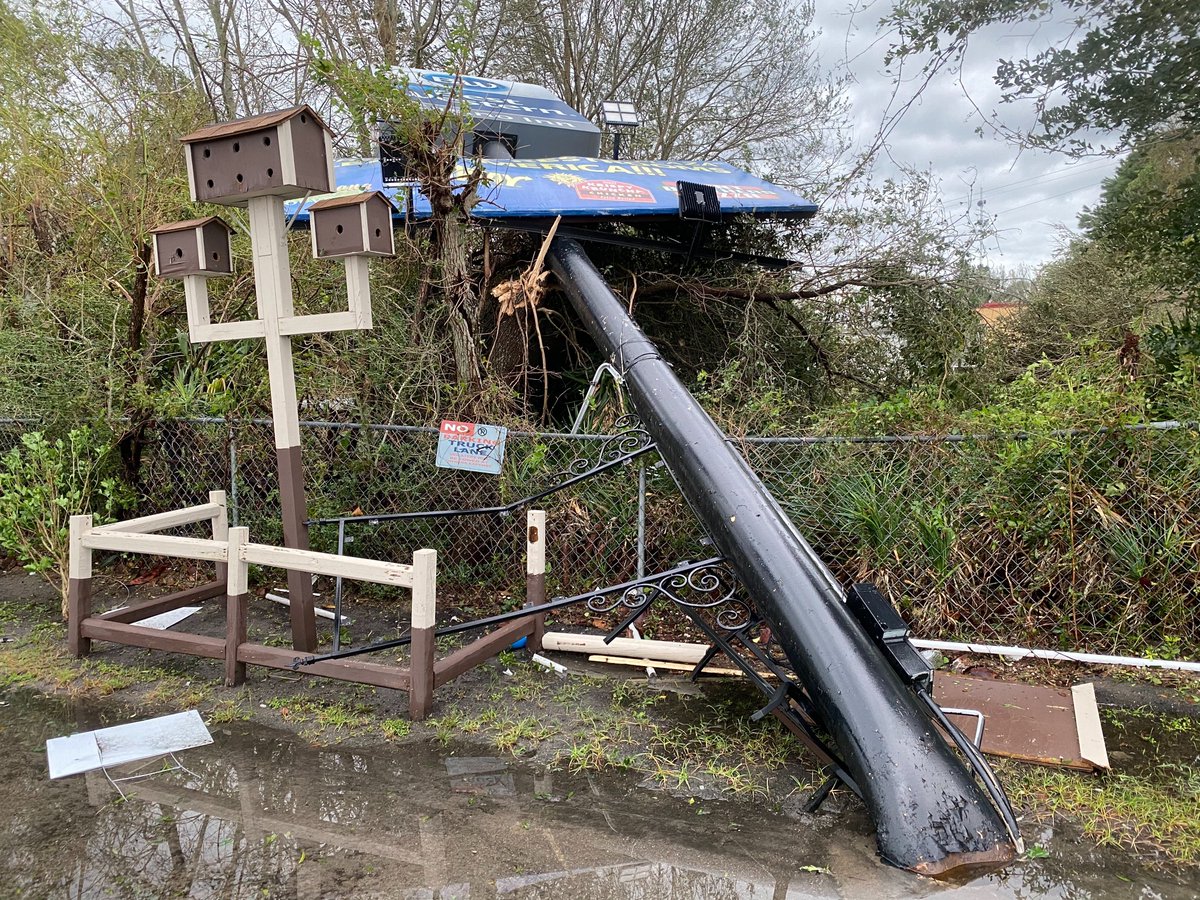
(220, 529)
(79, 586)
(237, 586)
(424, 620)
(535, 573)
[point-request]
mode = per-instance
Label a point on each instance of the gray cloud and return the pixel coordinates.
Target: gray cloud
(1032, 194)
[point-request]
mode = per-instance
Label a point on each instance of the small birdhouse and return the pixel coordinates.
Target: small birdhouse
(352, 225)
(287, 154)
(194, 247)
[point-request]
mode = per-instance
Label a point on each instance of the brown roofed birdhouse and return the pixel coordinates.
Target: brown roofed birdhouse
(286, 154)
(194, 247)
(352, 225)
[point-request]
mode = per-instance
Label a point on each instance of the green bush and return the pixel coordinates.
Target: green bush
(43, 483)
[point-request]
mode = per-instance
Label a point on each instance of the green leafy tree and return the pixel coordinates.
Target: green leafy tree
(1149, 214)
(1129, 67)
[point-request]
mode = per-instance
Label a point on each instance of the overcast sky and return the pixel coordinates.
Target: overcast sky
(1031, 193)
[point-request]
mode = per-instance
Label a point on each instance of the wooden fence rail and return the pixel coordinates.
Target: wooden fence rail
(232, 553)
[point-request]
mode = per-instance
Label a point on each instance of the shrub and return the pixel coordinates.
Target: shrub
(43, 483)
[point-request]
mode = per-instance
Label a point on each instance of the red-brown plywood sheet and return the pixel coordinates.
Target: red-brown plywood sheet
(1023, 721)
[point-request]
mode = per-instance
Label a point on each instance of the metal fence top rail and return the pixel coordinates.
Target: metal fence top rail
(1168, 425)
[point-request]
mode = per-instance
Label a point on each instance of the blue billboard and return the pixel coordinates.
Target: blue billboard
(578, 187)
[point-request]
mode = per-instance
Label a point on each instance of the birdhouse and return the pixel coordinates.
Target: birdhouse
(352, 225)
(286, 154)
(194, 247)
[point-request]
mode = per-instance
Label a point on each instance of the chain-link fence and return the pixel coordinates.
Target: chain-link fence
(594, 536)
(1085, 541)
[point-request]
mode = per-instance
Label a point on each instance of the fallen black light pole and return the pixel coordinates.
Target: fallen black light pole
(930, 815)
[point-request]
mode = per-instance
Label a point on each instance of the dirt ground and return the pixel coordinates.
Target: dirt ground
(670, 737)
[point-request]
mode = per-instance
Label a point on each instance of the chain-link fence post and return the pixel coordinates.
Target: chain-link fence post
(641, 520)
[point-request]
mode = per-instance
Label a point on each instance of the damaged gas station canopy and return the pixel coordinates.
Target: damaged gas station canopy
(547, 164)
(577, 187)
(527, 119)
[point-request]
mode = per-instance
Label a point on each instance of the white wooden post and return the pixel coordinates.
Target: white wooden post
(358, 290)
(424, 620)
(276, 323)
(535, 572)
(79, 585)
(195, 295)
(273, 287)
(237, 601)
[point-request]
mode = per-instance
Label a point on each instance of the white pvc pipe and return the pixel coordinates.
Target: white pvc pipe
(1069, 656)
(673, 651)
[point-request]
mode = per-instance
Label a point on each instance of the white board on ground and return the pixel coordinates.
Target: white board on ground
(130, 742)
(163, 621)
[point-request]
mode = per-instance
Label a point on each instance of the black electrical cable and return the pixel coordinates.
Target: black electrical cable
(980, 766)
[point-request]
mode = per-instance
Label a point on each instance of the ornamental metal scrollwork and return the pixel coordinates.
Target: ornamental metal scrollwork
(706, 586)
(630, 439)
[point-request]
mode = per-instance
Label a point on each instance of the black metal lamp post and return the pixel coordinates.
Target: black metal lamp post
(619, 116)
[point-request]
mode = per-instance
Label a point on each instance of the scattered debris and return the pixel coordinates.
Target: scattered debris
(163, 621)
(664, 651)
(132, 742)
(1028, 722)
(323, 613)
(549, 664)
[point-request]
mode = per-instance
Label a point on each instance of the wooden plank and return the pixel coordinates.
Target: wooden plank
(153, 639)
(227, 331)
(1022, 721)
(353, 567)
(670, 666)
(466, 658)
(318, 322)
(148, 608)
(1087, 725)
(162, 521)
(156, 545)
(380, 675)
(666, 651)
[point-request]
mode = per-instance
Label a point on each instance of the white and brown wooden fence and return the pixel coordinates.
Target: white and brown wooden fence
(232, 553)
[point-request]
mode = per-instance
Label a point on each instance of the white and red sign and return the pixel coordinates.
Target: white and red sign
(466, 445)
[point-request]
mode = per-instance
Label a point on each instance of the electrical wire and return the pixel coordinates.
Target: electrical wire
(981, 193)
(1074, 190)
(981, 768)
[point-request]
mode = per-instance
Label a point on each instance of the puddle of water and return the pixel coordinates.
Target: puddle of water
(265, 814)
